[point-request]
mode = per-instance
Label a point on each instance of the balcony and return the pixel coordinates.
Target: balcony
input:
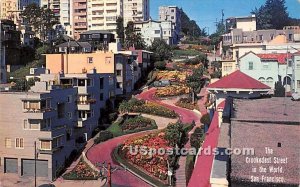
(49, 151)
(80, 123)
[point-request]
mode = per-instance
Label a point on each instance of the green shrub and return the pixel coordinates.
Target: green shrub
(103, 136)
(187, 103)
(197, 137)
(112, 117)
(138, 122)
(189, 167)
(161, 65)
(205, 119)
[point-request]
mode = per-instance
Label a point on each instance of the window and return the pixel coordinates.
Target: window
(101, 83)
(261, 37)
(261, 79)
(290, 63)
(119, 85)
(227, 67)
(60, 110)
(157, 32)
(70, 115)
(25, 125)
(90, 60)
(119, 72)
(57, 142)
(107, 60)
(172, 10)
(45, 145)
(265, 65)
(7, 142)
(19, 143)
(290, 37)
(172, 17)
(90, 82)
(270, 81)
(69, 99)
(101, 96)
(250, 65)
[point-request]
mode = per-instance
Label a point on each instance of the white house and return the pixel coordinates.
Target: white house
(151, 30)
(268, 68)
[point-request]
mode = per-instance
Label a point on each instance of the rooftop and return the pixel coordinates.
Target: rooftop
(276, 109)
(279, 57)
(238, 80)
(282, 139)
(96, 32)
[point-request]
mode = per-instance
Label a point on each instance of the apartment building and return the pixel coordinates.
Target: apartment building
(173, 14)
(46, 117)
(103, 14)
(7, 8)
(102, 61)
(151, 30)
(98, 39)
(136, 10)
(79, 18)
(94, 90)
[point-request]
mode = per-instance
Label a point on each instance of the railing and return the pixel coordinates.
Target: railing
(37, 110)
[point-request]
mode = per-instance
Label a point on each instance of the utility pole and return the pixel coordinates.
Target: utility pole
(222, 16)
(35, 163)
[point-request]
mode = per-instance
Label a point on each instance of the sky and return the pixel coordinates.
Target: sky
(205, 12)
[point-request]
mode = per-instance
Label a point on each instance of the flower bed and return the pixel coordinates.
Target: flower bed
(154, 164)
(187, 103)
(137, 151)
(173, 90)
(82, 171)
(137, 123)
(140, 106)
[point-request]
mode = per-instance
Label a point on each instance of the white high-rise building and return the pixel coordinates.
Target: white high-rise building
(103, 14)
(173, 14)
(136, 10)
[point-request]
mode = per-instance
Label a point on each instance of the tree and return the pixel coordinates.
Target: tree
(272, 15)
(161, 50)
(217, 36)
(133, 39)
(195, 82)
(189, 27)
(120, 29)
(160, 65)
(42, 20)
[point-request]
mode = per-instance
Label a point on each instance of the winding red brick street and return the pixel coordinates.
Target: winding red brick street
(102, 152)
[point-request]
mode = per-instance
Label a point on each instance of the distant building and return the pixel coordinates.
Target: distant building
(270, 68)
(103, 14)
(102, 61)
(151, 30)
(79, 12)
(136, 10)
(240, 41)
(173, 14)
(98, 39)
(7, 7)
(74, 47)
(35, 73)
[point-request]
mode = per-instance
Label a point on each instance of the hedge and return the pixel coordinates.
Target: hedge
(189, 167)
